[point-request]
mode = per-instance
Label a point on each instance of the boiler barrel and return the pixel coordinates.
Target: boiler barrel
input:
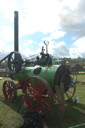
(53, 74)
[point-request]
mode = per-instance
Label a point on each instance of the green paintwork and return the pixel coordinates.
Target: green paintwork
(47, 72)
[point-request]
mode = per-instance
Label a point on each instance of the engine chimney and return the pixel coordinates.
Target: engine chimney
(16, 31)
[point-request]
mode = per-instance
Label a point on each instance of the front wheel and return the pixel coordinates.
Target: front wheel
(38, 94)
(9, 90)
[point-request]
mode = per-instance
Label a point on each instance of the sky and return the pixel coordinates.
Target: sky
(59, 22)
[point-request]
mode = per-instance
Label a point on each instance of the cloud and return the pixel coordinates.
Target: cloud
(9, 48)
(78, 49)
(8, 7)
(74, 38)
(49, 16)
(55, 35)
(26, 52)
(57, 49)
(29, 47)
(72, 17)
(55, 18)
(46, 16)
(41, 16)
(27, 43)
(2, 44)
(7, 33)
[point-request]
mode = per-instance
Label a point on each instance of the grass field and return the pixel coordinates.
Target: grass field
(74, 113)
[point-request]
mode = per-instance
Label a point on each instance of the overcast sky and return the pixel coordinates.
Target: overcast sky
(61, 22)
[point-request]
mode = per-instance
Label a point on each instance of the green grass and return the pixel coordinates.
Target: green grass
(74, 113)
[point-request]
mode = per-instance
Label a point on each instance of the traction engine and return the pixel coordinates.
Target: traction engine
(37, 78)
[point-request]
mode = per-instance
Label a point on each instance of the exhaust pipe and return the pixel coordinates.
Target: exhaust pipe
(16, 48)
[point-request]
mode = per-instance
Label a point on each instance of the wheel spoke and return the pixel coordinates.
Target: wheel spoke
(43, 108)
(67, 95)
(37, 92)
(40, 86)
(32, 85)
(40, 83)
(70, 91)
(28, 103)
(46, 103)
(38, 105)
(9, 90)
(35, 102)
(45, 96)
(35, 82)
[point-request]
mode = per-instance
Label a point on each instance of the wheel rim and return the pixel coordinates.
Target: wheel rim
(70, 93)
(9, 90)
(37, 94)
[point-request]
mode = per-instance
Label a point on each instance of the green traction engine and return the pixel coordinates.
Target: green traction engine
(37, 77)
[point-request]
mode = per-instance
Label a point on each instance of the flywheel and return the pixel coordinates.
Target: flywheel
(14, 62)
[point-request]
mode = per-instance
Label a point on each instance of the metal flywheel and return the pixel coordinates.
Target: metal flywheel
(14, 62)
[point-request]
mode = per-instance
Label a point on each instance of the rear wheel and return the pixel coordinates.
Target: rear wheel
(70, 93)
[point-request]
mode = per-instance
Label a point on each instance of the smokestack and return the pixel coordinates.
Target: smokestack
(16, 31)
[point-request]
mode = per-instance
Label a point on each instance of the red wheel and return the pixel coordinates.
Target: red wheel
(9, 90)
(70, 93)
(38, 94)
